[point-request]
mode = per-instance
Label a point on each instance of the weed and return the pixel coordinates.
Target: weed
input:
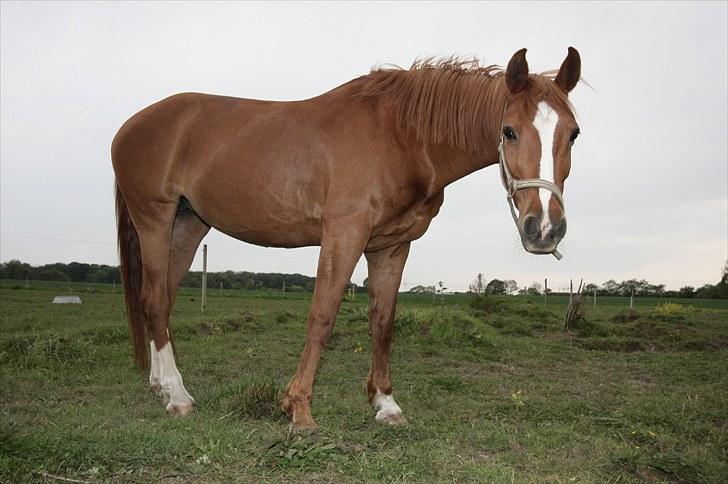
(256, 400)
(668, 309)
(449, 384)
(355, 315)
(108, 335)
(485, 303)
(585, 328)
(16, 349)
(626, 316)
(302, 451)
(284, 316)
(414, 322)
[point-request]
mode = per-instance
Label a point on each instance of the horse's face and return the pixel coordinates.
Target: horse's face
(538, 131)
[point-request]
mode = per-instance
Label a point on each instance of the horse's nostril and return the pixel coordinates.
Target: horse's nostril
(531, 226)
(559, 230)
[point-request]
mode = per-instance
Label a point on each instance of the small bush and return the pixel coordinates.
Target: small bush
(284, 317)
(257, 400)
(55, 349)
(15, 350)
(586, 328)
(413, 322)
(107, 336)
(626, 316)
(485, 303)
(359, 314)
(668, 309)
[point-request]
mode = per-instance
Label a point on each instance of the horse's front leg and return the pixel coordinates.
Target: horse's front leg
(342, 244)
(385, 274)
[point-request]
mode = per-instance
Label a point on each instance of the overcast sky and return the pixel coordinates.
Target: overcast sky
(647, 196)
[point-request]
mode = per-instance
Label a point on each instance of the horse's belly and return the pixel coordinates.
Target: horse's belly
(259, 220)
(283, 236)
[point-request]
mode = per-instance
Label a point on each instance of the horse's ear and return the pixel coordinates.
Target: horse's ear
(570, 71)
(517, 72)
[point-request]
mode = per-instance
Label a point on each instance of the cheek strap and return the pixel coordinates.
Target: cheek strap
(512, 185)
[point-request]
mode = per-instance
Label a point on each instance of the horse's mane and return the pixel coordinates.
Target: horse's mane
(453, 100)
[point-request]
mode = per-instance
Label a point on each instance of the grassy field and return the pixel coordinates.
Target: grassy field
(495, 394)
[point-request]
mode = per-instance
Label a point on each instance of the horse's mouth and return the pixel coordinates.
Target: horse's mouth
(541, 247)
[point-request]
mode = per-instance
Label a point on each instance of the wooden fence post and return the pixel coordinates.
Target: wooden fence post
(204, 277)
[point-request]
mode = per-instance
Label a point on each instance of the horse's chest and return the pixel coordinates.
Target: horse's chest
(408, 225)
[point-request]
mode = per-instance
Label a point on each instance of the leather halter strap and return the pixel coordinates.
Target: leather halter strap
(512, 185)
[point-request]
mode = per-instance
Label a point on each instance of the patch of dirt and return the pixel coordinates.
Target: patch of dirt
(482, 456)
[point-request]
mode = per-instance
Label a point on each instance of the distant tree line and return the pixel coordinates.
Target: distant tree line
(74, 272)
(251, 280)
(81, 272)
(641, 287)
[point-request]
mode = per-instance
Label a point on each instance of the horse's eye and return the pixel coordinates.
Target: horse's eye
(509, 134)
(574, 135)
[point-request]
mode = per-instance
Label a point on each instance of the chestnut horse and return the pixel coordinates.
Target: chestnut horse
(358, 170)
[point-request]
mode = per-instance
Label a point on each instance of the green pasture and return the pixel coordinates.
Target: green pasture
(494, 391)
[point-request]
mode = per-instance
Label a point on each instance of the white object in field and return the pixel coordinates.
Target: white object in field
(66, 300)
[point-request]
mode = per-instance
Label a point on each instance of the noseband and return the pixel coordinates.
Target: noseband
(512, 185)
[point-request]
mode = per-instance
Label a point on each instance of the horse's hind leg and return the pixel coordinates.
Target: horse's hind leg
(155, 239)
(385, 274)
(188, 232)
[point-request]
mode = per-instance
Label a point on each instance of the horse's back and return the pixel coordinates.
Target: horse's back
(265, 172)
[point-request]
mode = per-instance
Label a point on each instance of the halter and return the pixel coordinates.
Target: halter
(512, 185)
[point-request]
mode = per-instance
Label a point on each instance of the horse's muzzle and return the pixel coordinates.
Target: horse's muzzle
(535, 240)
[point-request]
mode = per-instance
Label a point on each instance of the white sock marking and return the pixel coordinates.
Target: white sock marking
(545, 123)
(385, 406)
(173, 390)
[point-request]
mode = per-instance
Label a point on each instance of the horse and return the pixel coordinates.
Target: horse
(360, 169)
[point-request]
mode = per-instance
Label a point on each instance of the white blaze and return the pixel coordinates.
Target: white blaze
(545, 123)
(385, 406)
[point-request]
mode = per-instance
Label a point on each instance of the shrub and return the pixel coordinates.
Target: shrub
(669, 309)
(485, 303)
(257, 400)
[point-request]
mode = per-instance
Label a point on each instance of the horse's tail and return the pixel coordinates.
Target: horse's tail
(130, 258)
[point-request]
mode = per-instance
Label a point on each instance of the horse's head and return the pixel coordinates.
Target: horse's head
(538, 129)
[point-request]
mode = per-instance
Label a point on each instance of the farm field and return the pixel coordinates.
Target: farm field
(494, 392)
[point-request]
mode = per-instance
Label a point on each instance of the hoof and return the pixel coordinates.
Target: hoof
(396, 419)
(299, 411)
(303, 423)
(304, 429)
(179, 409)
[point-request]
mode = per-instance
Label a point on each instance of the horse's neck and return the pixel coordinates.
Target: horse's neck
(452, 164)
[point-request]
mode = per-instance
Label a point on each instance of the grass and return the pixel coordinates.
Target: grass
(495, 392)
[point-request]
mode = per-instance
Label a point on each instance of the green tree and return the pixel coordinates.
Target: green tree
(496, 287)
